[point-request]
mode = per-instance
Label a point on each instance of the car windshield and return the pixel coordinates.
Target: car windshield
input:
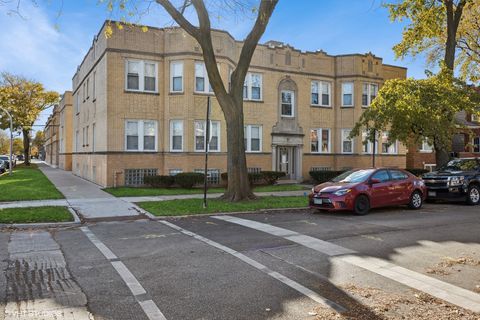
(460, 165)
(353, 176)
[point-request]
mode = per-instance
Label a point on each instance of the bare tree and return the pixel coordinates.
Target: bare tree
(231, 102)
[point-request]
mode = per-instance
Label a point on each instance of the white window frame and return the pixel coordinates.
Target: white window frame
(248, 83)
(370, 86)
(368, 145)
(248, 137)
(174, 172)
(93, 137)
(205, 131)
(344, 137)
(394, 144)
(172, 68)
(473, 144)
(140, 133)
(171, 135)
(353, 93)
(292, 102)
(426, 147)
(207, 87)
(320, 142)
(141, 76)
(320, 84)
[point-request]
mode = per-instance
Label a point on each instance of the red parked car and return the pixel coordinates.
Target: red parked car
(362, 189)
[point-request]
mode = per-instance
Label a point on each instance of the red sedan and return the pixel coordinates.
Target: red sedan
(362, 189)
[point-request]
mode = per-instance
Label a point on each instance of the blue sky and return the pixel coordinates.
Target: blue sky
(32, 46)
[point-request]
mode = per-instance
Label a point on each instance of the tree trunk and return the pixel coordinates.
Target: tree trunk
(26, 146)
(441, 156)
(238, 183)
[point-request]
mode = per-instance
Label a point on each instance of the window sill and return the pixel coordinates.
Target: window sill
(203, 93)
(209, 151)
(320, 106)
(347, 107)
(142, 92)
(176, 151)
(141, 151)
(287, 117)
(425, 151)
(176, 93)
(253, 100)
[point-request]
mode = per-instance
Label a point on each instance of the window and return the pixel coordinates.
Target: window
(84, 91)
(347, 94)
(321, 93)
(94, 93)
(174, 172)
(202, 85)
(86, 136)
(176, 135)
(369, 92)
(476, 144)
(320, 140)
(213, 175)
(134, 177)
(141, 76)
(77, 102)
(141, 135)
(176, 76)
(83, 138)
(367, 145)
(252, 87)
(77, 140)
(398, 175)
(287, 103)
(200, 130)
(388, 147)
(347, 143)
(381, 175)
(93, 137)
(253, 138)
(425, 146)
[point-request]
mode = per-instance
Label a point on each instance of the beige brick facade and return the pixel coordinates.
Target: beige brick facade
(58, 134)
(103, 105)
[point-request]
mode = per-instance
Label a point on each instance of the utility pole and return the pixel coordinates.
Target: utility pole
(374, 147)
(207, 144)
(10, 165)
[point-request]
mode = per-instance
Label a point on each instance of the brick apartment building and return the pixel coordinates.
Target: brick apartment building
(466, 143)
(140, 101)
(58, 134)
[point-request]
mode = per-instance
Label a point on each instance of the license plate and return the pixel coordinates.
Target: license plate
(317, 201)
(432, 194)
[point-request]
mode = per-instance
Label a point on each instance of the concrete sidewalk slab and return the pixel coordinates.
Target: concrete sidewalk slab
(34, 203)
(87, 198)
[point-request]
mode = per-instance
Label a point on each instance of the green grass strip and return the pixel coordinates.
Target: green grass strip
(143, 192)
(194, 206)
(27, 183)
(35, 215)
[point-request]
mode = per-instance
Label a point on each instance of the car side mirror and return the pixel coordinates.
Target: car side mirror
(375, 181)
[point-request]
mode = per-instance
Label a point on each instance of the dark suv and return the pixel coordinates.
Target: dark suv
(458, 179)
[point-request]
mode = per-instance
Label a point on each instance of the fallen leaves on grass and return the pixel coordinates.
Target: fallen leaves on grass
(375, 304)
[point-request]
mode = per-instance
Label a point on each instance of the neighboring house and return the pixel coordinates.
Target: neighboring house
(51, 138)
(140, 101)
(65, 129)
(466, 143)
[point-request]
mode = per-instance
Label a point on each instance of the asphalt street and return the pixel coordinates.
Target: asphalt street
(282, 265)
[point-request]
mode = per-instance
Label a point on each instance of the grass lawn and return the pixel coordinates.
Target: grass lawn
(140, 192)
(35, 215)
(194, 206)
(27, 183)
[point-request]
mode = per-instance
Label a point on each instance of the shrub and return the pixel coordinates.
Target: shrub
(253, 178)
(188, 179)
(418, 172)
(324, 176)
(270, 177)
(159, 181)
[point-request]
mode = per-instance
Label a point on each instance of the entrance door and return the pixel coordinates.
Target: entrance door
(286, 161)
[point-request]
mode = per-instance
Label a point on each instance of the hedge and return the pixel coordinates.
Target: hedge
(271, 177)
(159, 181)
(324, 176)
(268, 177)
(188, 179)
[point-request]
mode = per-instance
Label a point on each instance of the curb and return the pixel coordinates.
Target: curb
(296, 210)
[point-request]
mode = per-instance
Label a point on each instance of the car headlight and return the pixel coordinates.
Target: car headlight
(342, 192)
(313, 190)
(456, 181)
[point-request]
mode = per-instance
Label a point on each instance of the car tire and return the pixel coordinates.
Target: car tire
(362, 205)
(473, 195)
(416, 200)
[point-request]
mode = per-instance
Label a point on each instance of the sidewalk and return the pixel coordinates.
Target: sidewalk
(85, 197)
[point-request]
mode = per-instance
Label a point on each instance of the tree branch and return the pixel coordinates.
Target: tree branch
(179, 18)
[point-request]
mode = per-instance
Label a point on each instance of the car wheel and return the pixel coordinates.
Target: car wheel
(416, 200)
(473, 195)
(362, 205)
